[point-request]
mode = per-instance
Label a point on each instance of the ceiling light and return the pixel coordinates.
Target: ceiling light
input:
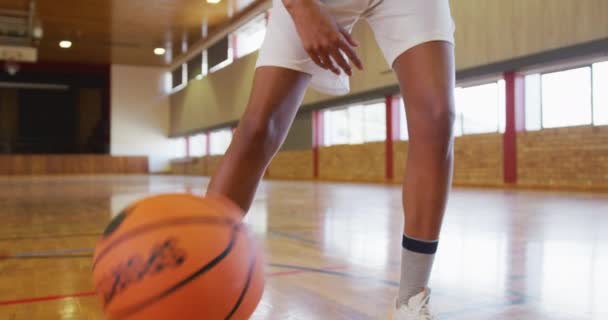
(159, 51)
(65, 44)
(214, 1)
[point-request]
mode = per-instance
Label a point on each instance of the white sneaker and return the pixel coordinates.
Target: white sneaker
(416, 308)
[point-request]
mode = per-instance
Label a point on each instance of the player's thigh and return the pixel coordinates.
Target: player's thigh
(416, 38)
(400, 25)
(275, 97)
(426, 73)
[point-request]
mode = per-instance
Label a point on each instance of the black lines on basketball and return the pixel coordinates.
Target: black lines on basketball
(166, 255)
(210, 265)
(252, 258)
(118, 220)
(161, 225)
(115, 223)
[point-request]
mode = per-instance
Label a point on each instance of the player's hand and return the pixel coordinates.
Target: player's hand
(323, 39)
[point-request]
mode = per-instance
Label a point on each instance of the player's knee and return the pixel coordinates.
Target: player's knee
(258, 133)
(436, 112)
(440, 111)
(255, 129)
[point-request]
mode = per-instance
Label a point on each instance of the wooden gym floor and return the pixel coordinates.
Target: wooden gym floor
(332, 249)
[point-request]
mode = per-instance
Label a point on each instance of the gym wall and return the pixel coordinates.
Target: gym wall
(564, 158)
(488, 32)
(140, 115)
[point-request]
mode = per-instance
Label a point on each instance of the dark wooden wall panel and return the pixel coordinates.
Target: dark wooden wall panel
(71, 164)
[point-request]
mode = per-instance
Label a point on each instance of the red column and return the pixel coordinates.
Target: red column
(515, 122)
(317, 140)
(392, 133)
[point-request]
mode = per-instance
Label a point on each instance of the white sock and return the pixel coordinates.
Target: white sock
(416, 264)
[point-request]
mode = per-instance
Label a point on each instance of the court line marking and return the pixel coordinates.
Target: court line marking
(65, 253)
(295, 270)
(518, 297)
(292, 237)
(517, 300)
(47, 298)
(60, 253)
(339, 274)
(299, 270)
(52, 236)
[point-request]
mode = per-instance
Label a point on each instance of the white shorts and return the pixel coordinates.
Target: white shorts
(398, 25)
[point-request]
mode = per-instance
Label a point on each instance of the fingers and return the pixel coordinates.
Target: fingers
(349, 51)
(329, 64)
(330, 53)
(321, 57)
(315, 58)
(349, 38)
(351, 54)
(339, 59)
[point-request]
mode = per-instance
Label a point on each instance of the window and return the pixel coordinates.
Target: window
(374, 127)
(533, 102)
(179, 77)
(219, 55)
(566, 98)
(179, 147)
(336, 127)
(600, 93)
(195, 67)
(250, 36)
(198, 145)
(403, 134)
(480, 109)
(502, 106)
(220, 140)
(355, 124)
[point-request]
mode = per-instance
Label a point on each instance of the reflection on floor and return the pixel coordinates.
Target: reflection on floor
(332, 249)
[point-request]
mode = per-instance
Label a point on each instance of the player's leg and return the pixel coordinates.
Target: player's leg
(416, 38)
(426, 77)
(275, 97)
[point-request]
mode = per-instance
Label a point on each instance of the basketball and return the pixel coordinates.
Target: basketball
(181, 257)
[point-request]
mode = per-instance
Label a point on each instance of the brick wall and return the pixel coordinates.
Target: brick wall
(552, 158)
(198, 167)
(26, 164)
(364, 162)
(179, 166)
(399, 159)
(192, 166)
(575, 157)
(293, 164)
(212, 163)
(478, 159)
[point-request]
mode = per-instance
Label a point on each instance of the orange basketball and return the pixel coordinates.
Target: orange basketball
(177, 256)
